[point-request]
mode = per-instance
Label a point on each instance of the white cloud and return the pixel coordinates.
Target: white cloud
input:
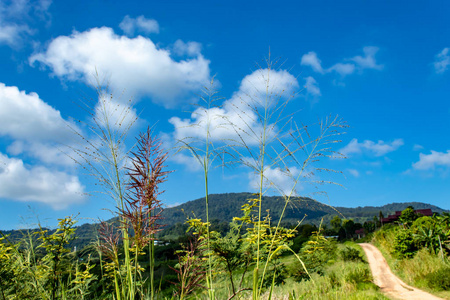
(311, 59)
(343, 69)
(431, 161)
(38, 184)
(442, 61)
(16, 16)
(368, 60)
(140, 24)
(27, 117)
(12, 34)
(114, 111)
(134, 65)
(417, 147)
(353, 172)
(379, 148)
(36, 128)
(189, 48)
(283, 181)
(239, 110)
(312, 86)
(359, 63)
(48, 153)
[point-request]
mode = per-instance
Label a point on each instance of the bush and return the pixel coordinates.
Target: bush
(404, 245)
(350, 254)
(316, 254)
(279, 271)
(439, 280)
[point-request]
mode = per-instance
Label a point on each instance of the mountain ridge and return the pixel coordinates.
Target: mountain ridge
(223, 207)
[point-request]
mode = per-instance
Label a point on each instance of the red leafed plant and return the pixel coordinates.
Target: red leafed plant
(142, 209)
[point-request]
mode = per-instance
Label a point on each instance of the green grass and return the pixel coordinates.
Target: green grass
(413, 271)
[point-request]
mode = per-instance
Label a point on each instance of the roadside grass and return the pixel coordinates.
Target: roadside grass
(414, 271)
(341, 280)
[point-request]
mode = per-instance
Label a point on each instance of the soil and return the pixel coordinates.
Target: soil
(390, 284)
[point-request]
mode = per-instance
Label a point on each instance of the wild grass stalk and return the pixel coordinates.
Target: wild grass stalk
(265, 137)
(105, 157)
(146, 175)
(278, 145)
(205, 153)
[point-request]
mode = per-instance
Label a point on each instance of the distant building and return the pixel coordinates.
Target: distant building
(393, 218)
(360, 233)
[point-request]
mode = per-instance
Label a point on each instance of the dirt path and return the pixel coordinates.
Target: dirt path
(390, 284)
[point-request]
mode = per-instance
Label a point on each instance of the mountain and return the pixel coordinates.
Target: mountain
(223, 207)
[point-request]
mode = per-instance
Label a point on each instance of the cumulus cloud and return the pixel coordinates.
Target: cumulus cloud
(240, 110)
(281, 180)
(135, 65)
(140, 24)
(379, 148)
(432, 160)
(441, 61)
(39, 184)
(16, 16)
(26, 116)
(189, 48)
(36, 128)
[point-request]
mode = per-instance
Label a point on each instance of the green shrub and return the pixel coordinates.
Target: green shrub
(279, 271)
(316, 254)
(439, 280)
(404, 245)
(350, 254)
(358, 274)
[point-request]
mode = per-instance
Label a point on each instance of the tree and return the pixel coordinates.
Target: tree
(381, 216)
(369, 226)
(348, 225)
(408, 216)
(336, 222)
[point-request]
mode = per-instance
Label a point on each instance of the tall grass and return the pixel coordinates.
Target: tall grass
(281, 144)
(132, 180)
(205, 153)
(105, 157)
(265, 137)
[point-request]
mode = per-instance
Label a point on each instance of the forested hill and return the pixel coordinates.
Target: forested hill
(223, 207)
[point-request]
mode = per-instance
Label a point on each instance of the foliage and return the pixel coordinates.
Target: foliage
(408, 216)
(422, 266)
(439, 280)
(369, 226)
(190, 268)
(316, 254)
(44, 268)
(336, 222)
(404, 244)
(350, 254)
(139, 215)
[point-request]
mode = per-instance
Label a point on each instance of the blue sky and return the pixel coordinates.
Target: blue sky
(381, 66)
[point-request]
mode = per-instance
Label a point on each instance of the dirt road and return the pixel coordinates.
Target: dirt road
(390, 284)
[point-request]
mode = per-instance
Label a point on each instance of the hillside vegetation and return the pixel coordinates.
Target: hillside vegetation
(225, 206)
(417, 248)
